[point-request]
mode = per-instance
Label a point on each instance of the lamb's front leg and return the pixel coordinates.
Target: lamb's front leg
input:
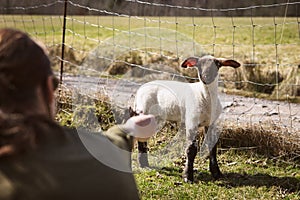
(142, 154)
(213, 162)
(191, 152)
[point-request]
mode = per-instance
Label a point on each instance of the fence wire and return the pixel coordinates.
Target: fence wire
(152, 47)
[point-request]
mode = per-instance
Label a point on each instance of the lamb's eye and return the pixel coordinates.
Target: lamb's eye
(217, 63)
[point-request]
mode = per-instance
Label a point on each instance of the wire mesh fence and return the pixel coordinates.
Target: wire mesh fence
(112, 51)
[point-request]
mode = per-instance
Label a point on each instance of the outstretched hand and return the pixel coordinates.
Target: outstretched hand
(142, 127)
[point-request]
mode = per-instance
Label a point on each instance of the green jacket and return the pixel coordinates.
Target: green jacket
(83, 166)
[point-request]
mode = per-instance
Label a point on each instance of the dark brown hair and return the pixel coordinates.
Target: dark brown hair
(24, 66)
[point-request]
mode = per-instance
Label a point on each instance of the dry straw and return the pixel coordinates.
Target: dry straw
(267, 139)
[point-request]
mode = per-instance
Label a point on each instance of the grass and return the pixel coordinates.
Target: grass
(85, 32)
(246, 176)
(257, 163)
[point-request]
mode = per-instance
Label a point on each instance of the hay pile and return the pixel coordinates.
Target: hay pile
(265, 139)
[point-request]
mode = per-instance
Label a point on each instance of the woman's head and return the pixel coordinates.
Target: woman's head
(24, 73)
(26, 93)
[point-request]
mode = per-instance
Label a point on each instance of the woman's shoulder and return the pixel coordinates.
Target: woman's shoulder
(85, 164)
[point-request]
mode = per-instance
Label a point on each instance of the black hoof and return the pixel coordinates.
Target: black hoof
(144, 165)
(217, 175)
(215, 171)
(186, 180)
(188, 176)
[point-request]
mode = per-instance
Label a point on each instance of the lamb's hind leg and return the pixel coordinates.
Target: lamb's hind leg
(191, 152)
(213, 162)
(142, 154)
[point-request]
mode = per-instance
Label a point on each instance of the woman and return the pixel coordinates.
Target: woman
(38, 158)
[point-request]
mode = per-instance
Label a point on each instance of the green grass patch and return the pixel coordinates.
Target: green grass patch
(246, 176)
(86, 32)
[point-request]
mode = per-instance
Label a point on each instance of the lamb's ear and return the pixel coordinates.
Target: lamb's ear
(190, 62)
(231, 63)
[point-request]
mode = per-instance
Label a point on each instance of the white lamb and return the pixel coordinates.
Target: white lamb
(189, 104)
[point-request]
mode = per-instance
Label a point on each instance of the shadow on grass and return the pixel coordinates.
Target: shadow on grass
(289, 184)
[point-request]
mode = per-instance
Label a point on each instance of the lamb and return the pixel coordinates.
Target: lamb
(189, 104)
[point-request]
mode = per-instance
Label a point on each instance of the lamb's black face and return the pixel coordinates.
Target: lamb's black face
(208, 69)
(208, 66)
